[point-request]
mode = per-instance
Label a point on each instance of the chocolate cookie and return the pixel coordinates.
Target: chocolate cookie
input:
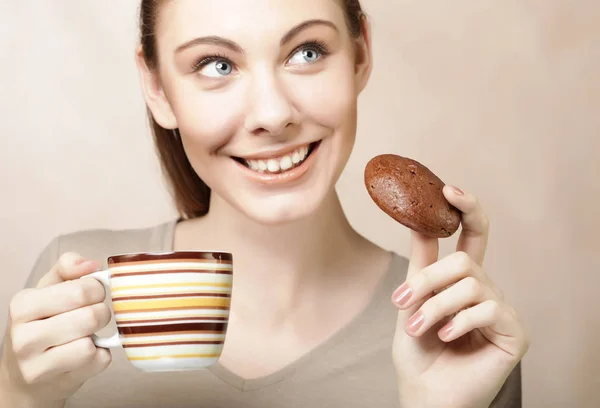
(411, 194)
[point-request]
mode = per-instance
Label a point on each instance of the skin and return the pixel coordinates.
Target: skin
(294, 236)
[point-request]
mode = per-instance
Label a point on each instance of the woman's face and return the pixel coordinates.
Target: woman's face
(264, 95)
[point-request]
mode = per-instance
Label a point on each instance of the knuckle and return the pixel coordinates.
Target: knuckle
(20, 342)
(29, 374)
(15, 307)
(89, 318)
(473, 287)
(102, 313)
(103, 358)
(86, 349)
(494, 309)
(463, 260)
(80, 295)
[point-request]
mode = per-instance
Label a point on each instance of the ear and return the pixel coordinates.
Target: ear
(364, 55)
(154, 93)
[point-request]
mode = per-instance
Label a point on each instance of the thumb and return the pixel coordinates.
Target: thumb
(70, 266)
(424, 252)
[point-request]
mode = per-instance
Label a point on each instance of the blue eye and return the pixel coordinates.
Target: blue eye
(305, 55)
(216, 68)
(309, 53)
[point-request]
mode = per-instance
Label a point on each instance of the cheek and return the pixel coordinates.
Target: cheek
(328, 98)
(207, 119)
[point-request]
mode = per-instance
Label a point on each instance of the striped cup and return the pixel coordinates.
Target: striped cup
(171, 308)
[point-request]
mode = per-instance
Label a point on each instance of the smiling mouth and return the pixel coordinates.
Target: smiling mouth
(282, 164)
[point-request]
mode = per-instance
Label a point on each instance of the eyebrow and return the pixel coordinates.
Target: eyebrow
(223, 42)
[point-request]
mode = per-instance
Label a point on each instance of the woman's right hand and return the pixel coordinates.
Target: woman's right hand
(48, 352)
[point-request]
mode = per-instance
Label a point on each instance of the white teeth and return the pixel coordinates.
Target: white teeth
(285, 163)
(279, 164)
(273, 165)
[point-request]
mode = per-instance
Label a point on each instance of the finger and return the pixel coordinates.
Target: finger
(69, 266)
(495, 322)
(34, 304)
(473, 238)
(63, 328)
(101, 361)
(59, 360)
(439, 276)
(424, 252)
(466, 293)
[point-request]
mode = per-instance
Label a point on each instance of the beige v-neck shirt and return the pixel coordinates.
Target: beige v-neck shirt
(352, 369)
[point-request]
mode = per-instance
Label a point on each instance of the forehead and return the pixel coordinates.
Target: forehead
(182, 20)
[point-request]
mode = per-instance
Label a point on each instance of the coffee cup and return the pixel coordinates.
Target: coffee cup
(171, 308)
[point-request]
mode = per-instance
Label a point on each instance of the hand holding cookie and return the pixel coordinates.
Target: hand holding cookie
(457, 340)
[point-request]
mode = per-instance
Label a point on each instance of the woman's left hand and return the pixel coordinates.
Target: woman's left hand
(457, 340)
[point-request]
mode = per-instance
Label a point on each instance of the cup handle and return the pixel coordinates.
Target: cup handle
(108, 342)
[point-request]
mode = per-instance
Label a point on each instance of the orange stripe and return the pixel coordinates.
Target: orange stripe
(163, 304)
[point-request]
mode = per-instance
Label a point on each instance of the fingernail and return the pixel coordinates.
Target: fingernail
(458, 191)
(403, 294)
(415, 322)
(446, 330)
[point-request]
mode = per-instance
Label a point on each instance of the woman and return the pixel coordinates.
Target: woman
(253, 108)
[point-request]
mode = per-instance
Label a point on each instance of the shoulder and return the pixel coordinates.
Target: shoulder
(99, 244)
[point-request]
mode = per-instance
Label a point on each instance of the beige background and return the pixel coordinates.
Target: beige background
(498, 97)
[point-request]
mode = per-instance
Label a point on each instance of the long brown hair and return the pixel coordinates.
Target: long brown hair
(190, 193)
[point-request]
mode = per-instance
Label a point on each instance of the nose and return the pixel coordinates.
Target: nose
(270, 109)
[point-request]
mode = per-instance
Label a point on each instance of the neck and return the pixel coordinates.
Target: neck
(301, 246)
(296, 260)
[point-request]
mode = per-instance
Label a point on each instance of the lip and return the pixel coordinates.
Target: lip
(275, 153)
(285, 177)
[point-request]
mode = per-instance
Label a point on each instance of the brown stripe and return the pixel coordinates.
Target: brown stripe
(160, 328)
(174, 308)
(174, 295)
(175, 343)
(165, 272)
(172, 333)
(174, 319)
(162, 256)
(173, 261)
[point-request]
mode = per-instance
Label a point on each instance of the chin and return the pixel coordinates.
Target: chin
(281, 209)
